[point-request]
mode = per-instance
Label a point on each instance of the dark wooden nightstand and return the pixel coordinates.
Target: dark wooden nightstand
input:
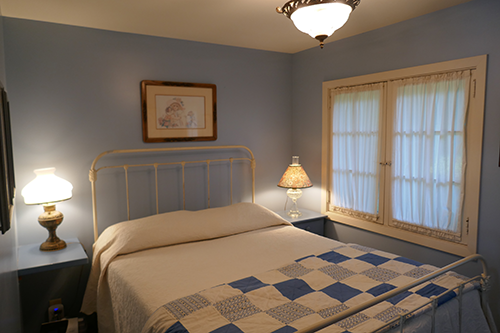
(309, 220)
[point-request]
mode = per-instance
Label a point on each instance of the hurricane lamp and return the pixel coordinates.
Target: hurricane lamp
(294, 179)
(47, 189)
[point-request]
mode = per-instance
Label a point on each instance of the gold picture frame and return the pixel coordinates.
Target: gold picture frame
(176, 111)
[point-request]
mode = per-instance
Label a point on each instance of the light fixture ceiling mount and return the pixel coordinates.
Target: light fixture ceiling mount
(318, 18)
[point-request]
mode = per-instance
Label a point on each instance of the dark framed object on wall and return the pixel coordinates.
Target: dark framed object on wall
(176, 111)
(7, 179)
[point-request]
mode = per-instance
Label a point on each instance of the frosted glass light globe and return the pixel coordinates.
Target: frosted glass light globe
(321, 19)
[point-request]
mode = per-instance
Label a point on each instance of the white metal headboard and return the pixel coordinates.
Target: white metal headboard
(93, 172)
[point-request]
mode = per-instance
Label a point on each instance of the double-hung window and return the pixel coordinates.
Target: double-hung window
(402, 153)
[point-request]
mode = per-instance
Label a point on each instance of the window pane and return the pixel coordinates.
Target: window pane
(355, 146)
(429, 150)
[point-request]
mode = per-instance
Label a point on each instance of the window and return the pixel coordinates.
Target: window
(402, 152)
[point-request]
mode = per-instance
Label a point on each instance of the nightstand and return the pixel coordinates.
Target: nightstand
(32, 260)
(309, 220)
(50, 275)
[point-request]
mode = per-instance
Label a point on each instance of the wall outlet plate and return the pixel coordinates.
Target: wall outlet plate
(56, 312)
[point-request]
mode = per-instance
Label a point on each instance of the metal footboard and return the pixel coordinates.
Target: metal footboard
(483, 280)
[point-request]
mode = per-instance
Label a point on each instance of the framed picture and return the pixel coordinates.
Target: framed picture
(7, 181)
(175, 111)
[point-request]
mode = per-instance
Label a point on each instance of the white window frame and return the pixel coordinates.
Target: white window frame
(475, 116)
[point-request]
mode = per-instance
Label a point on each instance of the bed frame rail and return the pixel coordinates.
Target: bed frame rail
(93, 172)
(483, 279)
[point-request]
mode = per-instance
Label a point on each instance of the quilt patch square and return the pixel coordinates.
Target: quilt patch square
(380, 274)
(433, 290)
(389, 314)
(418, 272)
(219, 293)
(212, 320)
(385, 254)
(341, 292)
(358, 299)
(362, 248)
(397, 266)
(248, 284)
(177, 328)
(376, 309)
(317, 301)
(306, 321)
(317, 280)
(294, 270)
(361, 282)
(306, 257)
(399, 297)
(313, 262)
(412, 301)
(286, 329)
(350, 251)
(229, 328)
(258, 323)
(356, 266)
(293, 289)
(337, 272)
(408, 261)
(266, 298)
(236, 308)
(380, 289)
(458, 276)
(333, 257)
(446, 280)
(289, 312)
(186, 305)
(373, 259)
(271, 277)
(352, 321)
(333, 310)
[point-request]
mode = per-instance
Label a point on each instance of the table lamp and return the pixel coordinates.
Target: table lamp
(294, 179)
(47, 189)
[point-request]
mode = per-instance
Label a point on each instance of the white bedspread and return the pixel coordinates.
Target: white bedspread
(164, 230)
(132, 276)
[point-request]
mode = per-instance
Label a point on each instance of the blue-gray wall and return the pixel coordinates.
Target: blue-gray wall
(9, 292)
(461, 31)
(75, 92)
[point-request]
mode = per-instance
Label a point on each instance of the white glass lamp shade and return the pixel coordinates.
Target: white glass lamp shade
(321, 19)
(46, 188)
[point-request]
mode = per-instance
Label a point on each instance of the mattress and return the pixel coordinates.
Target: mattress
(134, 283)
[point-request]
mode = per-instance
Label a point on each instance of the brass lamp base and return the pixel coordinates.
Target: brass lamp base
(50, 220)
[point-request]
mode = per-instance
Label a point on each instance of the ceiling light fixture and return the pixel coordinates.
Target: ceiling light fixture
(318, 18)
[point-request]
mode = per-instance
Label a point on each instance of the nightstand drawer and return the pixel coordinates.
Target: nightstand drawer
(315, 226)
(309, 220)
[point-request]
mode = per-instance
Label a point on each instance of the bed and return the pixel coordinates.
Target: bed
(242, 268)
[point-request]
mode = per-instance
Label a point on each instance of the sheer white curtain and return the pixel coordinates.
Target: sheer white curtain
(428, 155)
(355, 150)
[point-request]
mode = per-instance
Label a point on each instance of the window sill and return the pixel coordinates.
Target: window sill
(459, 249)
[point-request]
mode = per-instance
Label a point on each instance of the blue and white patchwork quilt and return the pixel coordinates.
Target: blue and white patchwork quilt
(306, 291)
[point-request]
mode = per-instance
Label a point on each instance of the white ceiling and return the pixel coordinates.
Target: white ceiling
(244, 23)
